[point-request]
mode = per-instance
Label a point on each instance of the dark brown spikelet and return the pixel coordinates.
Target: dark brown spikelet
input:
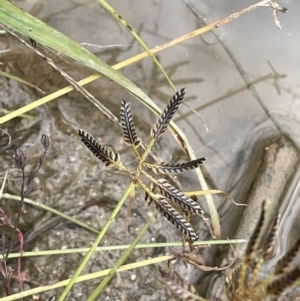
(277, 286)
(167, 114)
(256, 233)
(269, 242)
(45, 142)
(128, 127)
(20, 158)
(184, 290)
(286, 259)
(146, 197)
(174, 217)
(165, 168)
(186, 203)
(107, 156)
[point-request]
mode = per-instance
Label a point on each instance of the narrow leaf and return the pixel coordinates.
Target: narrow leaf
(105, 155)
(16, 18)
(167, 114)
(174, 217)
(127, 123)
(165, 168)
(186, 203)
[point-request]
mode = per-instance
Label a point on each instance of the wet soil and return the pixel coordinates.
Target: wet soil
(73, 181)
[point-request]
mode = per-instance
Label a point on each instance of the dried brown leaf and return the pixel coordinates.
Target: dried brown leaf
(191, 258)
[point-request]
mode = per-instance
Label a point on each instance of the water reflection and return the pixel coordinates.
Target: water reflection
(238, 126)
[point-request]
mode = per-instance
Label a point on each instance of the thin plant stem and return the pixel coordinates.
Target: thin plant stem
(87, 277)
(95, 243)
(50, 209)
(114, 269)
(122, 247)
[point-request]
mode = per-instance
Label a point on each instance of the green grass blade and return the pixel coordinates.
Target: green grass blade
(124, 256)
(122, 247)
(20, 80)
(41, 33)
(87, 277)
(50, 209)
(25, 116)
(95, 243)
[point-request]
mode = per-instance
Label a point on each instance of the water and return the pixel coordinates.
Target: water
(238, 127)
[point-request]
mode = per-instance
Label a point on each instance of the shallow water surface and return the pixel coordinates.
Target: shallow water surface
(74, 181)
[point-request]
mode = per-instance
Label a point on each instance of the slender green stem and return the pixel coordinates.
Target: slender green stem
(135, 149)
(20, 80)
(113, 270)
(50, 209)
(114, 13)
(87, 277)
(95, 244)
(143, 158)
(122, 247)
(3, 184)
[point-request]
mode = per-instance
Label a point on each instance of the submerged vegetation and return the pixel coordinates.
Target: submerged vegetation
(244, 282)
(156, 178)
